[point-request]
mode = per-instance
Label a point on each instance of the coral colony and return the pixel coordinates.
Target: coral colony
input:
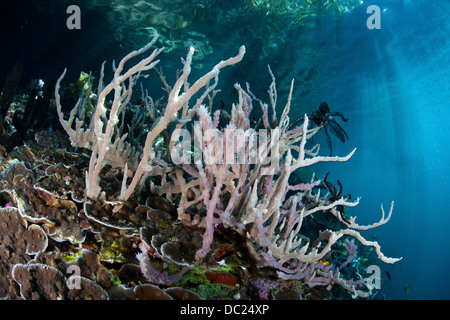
(183, 186)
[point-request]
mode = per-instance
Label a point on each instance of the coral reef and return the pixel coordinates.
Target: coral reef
(175, 215)
(268, 20)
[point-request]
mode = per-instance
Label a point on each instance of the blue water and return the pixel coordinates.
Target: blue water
(393, 85)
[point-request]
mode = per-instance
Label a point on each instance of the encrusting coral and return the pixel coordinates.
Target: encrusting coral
(175, 202)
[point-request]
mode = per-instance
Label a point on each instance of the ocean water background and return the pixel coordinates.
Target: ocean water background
(393, 84)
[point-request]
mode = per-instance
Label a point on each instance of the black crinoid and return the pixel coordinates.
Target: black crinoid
(335, 194)
(325, 118)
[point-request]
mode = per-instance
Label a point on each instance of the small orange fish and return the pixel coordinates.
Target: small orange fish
(324, 263)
